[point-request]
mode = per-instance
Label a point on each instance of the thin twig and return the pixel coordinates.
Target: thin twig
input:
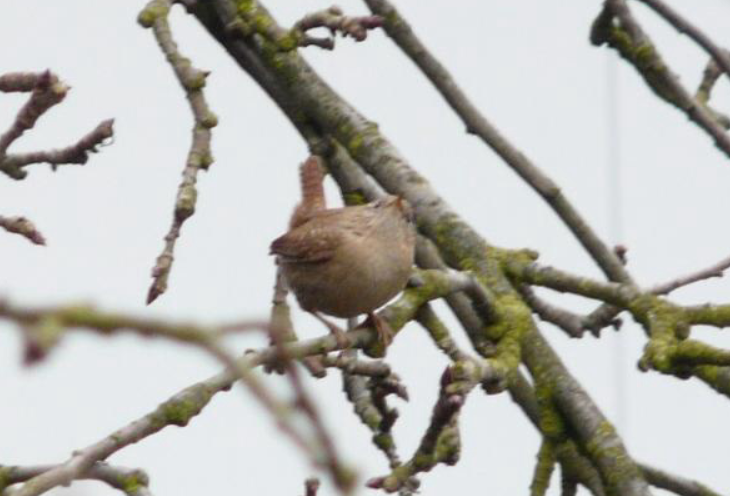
(573, 324)
(605, 315)
(684, 26)
(368, 400)
(24, 227)
(716, 270)
(703, 94)
(439, 333)
(710, 76)
(543, 469)
(281, 329)
(46, 91)
(627, 37)
(311, 486)
(192, 80)
(674, 483)
(333, 19)
(78, 153)
(22, 82)
(570, 322)
(285, 40)
(133, 482)
(328, 457)
(602, 316)
(379, 419)
(441, 442)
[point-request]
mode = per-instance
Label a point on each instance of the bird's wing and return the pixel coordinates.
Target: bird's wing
(308, 243)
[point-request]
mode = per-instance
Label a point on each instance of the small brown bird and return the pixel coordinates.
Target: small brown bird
(348, 261)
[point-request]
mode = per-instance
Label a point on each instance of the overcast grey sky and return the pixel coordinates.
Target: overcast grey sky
(529, 67)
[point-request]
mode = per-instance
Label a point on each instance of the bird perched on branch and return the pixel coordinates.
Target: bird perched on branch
(348, 261)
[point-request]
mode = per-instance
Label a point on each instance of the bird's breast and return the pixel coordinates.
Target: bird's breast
(358, 279)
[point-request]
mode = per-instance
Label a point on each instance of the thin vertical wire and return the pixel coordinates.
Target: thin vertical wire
(616, 227)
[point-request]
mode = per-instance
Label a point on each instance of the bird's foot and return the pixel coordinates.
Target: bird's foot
(384, 331)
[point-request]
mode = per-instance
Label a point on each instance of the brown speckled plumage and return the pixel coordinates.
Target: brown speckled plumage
(346, 261)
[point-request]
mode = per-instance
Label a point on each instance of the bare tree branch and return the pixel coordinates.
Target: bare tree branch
(334, 20)
(132, 482)
(487, 288)
(676, 484)
(635, 47)
(281, 329)
(575, 325)
(24, 227)
(200, 156)
(402, 34)
(52, 322)
(288, 78)
(605, 314)
(78, 153)
(181, 408)
(46, 91)
(343, 477)
(716, 270)
(311, 486)
(710, 76)
(682, 25)
(24, 82)
(439, 333)
(543, 470)
(368, 402)
(441, 442)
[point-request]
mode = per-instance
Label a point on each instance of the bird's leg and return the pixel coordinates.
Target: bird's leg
(339, 334)
(381, 326)
(315, 366)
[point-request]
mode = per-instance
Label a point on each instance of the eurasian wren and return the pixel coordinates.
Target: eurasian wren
(346, 261)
